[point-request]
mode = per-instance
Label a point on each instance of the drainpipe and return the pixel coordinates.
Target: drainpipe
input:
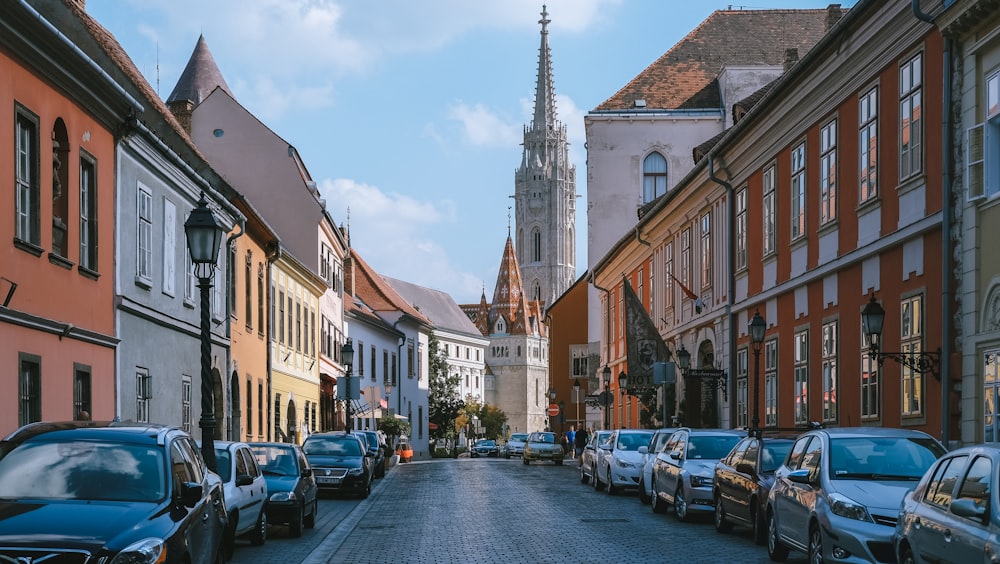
(607, 329)
(273, 254)
(234, 410)
(731, 289)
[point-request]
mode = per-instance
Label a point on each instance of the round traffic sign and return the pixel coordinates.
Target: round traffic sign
(553, 410)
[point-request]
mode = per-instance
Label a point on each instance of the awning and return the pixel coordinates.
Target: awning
(431, 425)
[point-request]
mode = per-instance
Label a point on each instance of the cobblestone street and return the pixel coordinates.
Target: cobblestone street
(496, 510)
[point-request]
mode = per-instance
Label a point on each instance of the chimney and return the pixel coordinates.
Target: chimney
(791, 57)
(833, 15)
(182, 110)
(349, 276)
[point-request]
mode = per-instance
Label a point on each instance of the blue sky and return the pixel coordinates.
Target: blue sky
(410, 113)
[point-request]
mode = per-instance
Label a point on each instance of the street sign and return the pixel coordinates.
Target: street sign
(553, 410)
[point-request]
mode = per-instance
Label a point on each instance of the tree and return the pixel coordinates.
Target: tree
(494, 420)
(444, 404)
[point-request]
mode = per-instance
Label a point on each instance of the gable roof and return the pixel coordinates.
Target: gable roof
(682, 76)
(377, 294)
(438, 306)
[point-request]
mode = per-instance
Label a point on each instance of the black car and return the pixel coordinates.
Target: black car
(341, 461)
(485, 447)
(102, 491)
(379, 449)
(742, 481)
(292, 496)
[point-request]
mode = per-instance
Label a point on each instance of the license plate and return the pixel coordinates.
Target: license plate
(325, 480)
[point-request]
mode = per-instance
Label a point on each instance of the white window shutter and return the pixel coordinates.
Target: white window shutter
(169, 246)
(975, 174)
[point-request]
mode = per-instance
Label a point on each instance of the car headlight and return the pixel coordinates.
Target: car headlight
(356, 471)
(146, 551)
(847, 507)
(699, 481)
(283, 496)
(624, 464)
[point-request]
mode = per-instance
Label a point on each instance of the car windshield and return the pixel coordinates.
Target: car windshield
(542, 438)
(89, 470)
(276, 460)
(332, 446)
(774, 454)
(224, 463)
(711, 447)
(485, 443)
(632, 441)
(882, 458)
(518, 437)
(661, 439)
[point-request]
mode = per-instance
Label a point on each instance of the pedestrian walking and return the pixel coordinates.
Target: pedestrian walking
(580, 442)
(570, 441)
(565, 444)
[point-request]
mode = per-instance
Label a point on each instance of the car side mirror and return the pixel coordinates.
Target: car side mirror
(191, 493)
(746, 468)
(306, 472)
(799, 476)
(968, 508)
(244, 479)
(675, 454)
(644, 450)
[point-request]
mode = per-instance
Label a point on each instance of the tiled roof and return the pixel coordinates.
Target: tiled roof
(200, 77)
(438, 306)
(681, 78)
(377, 293)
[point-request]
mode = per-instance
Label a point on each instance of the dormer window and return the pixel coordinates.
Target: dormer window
(500, 326)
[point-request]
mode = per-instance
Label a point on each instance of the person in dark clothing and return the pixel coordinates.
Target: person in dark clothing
(580, 441)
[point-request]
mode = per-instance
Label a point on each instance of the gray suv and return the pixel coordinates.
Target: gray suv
(683, 470)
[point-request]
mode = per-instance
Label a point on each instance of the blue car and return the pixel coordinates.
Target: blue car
(292, 496)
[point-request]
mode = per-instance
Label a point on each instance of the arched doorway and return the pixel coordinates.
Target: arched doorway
(290, 423)
(235, 427)
(220, 403)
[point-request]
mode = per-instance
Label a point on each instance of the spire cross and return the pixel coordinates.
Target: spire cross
(508, 221)
(545, 19)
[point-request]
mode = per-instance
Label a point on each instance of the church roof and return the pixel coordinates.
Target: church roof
(200, 77)
(438, 306)
(682, 77)
(509, 300)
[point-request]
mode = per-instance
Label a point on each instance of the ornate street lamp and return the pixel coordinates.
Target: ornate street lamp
(683, 359)
(756, 328)
(872, 318)
(347, 353)
(204, 238)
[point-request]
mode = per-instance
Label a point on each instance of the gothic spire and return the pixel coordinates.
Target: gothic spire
(200, 77)
(545, 98)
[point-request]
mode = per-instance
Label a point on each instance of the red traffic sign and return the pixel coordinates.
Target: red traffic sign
(553, 410)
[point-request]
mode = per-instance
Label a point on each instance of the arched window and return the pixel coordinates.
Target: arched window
(536, 291)
(536, 245)
(654, 177)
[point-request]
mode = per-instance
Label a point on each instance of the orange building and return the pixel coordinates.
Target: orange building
(570, 373)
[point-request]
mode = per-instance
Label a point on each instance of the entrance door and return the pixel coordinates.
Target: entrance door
(991, 395)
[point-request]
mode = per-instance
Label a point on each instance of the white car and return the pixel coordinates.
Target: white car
(515, 446)
(245, 492)
(619, 463)
(649, 453)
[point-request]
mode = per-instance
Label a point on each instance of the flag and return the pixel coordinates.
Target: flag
(643, 344)
(698, 304)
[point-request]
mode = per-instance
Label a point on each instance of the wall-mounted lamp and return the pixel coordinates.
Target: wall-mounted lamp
(872, 318)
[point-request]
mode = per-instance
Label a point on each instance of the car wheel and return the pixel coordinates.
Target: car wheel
(655, 503)
(583, 477)
(310, 520)
(906, 554)
(758, 525)
(680, 505)
(229, 537)
(259, 534)
(612, 489)
(721, 525)
(643, 495)
(295, 526)
(775, 550)
(815, 545)
(559, 462)
(598, 484)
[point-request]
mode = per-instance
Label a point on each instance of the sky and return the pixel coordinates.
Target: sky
(409, 114)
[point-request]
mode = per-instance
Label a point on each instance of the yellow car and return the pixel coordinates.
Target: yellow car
(542, 446)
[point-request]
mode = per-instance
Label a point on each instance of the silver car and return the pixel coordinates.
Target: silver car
(649, 452)
(588, 460)
(515, 446)
(838, 494)
(245, 492)
(953, 513)
(683, 470)
(621, 466)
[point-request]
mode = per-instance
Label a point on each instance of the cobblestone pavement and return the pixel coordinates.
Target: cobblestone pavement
(496, 510)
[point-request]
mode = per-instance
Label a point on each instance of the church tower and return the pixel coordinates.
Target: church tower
(545, 193)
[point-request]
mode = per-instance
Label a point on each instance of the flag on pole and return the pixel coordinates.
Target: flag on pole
(643, 344)
(698, 304)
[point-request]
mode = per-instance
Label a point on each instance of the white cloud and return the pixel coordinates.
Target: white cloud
(483, 127)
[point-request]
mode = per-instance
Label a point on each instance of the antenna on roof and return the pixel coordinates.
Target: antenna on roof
(157, 67)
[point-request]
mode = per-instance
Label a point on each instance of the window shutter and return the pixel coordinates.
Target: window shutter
(975, 163)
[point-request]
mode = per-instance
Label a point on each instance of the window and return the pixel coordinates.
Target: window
(741, 388)
(186, 403)
(231, 266)
(768, 212)
(580, 360)
(771, 383)
(248, 289)
(942, 485)
(281, 316)
(81, 391)
(298, 326)
(361, 360)
(420, 421)
(30, 389)
(976, 484)
(871, 399)
(868, 145)
(291, 320)
(143, 393)
(26, 174)
(706, 250)
(260, 299)
(278, 435)
(144, 249)
(798, 191)
(191, 279)
(386, 375)
(801, 390)
(654, 177)
(536, 245)
(741, 228)
(668, 275)
(394, 369)
(260, 408)
(411, 362)
(983, 146)
(910, 117)
(88, 213)
(249, 407)
(828, 173)
(686, 257)
(536, 291)
(911, 340)
(831, 378)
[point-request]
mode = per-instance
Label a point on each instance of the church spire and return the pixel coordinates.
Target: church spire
(200, 77)
(545, 98)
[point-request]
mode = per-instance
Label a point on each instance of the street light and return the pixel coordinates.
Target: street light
(347, 353)
(607, 396)
(623, 392)
(576, 399)
(756, 328)
(204, 237)
(872, 318)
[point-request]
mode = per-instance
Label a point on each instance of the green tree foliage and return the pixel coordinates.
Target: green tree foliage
(494, 420)
(444, 402)
(393, 429)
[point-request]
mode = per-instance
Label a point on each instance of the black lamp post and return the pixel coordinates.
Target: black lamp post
(576, 400)
(204, 237)
(623, 391)
(607, 396)
(872, 319)
(347, 353)
(756, 328)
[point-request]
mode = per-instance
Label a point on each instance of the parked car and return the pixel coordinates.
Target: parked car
(485, 447)
(245, 491)
(515, 445)
(620, 467)
(292, 495)
(837, 496)
(376, 445)
(648, 453)
(588, 460)
(542, 445)
(742, 481)
(121, 492)
(952, 514)
(405, 451)
(341, 462)
(683, 470)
